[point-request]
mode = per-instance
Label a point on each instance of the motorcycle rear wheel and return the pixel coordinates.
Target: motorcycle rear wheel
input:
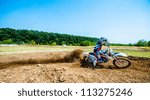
(121, 63)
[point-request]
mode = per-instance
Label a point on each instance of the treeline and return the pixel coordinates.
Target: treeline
(13, 36)
(140, 43)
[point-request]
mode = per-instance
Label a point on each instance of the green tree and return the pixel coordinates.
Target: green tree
(148, 43)
(142, 43)
(85, 43)
(8, 41)
(63, 42)
(53, 44)
(32, 42)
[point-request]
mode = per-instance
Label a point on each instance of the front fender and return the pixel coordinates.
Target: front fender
(120, 54)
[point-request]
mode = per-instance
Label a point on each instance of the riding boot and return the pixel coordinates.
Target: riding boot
(100, 60)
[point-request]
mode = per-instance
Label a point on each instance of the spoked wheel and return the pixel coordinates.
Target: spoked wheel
(83, 62)
(122, 63)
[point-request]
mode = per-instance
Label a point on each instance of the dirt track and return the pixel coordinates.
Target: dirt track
(65, 67)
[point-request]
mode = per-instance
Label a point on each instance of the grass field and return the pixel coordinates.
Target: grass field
(132, 51)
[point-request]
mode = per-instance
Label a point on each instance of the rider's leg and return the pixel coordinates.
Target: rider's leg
(99, 58)
(96, 55)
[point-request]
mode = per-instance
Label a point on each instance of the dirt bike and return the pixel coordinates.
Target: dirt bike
(120, 60)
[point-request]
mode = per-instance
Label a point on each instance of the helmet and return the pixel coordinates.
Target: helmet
(103, 40)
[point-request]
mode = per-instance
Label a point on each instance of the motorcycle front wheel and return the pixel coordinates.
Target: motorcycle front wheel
(121, 63)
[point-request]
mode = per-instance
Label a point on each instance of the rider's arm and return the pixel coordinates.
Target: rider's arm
(107, 43)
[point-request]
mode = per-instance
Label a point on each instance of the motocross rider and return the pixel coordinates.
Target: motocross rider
(97, 49)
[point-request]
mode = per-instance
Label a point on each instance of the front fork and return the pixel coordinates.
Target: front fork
(116, 58)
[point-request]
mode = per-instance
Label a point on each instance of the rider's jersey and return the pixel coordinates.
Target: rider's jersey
(99, 46)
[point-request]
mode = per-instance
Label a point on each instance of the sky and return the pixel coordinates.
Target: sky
(121, 21)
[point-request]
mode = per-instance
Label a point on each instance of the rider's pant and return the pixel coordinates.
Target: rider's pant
(97, 54)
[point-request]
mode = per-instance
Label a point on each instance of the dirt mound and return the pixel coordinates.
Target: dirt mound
(56, 67)
(138, 58)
